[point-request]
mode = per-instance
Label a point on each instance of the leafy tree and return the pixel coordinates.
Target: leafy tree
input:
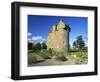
(43, 46)
(74, 44)
(79, 43)
(29, 46)
(38, 46)
(34, 47)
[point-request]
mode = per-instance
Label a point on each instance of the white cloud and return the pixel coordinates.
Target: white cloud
(41, 42)
(38, 38)
(30, 40)
(29, 34)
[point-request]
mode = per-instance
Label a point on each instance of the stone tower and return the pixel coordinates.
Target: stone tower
(58, 37)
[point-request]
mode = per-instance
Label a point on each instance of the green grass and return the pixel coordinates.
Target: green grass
(80, 56)
(44, 55)
(34, 57)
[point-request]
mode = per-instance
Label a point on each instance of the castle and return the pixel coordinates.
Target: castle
(58, 37)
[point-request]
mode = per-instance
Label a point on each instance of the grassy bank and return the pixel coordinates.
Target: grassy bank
(41, 56)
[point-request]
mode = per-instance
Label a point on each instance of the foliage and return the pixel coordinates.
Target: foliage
(44, 55)
(36, 47)
(85, 49)
(43, 46)
(80, 57)
(29, 46)
(74, 44)
(79, 43)
(32, 59)
(50, 51)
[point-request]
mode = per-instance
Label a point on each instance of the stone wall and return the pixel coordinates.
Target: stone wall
(58, 37)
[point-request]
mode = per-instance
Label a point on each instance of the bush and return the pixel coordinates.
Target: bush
(78, 61)
(50, 51)
(29, 46)
(32, 59)
(44, 55)
(81, 58)
(43, 46)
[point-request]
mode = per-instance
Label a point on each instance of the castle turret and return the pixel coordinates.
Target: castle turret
(61, 24)
(58, 38)
(54, 28)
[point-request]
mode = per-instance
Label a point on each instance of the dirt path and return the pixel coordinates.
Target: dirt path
(48, 62)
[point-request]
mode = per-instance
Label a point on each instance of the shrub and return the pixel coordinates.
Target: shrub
(44, 55)
(32, 59)
(50, 51)
(29, 46)
(43, 46)
(78, 61)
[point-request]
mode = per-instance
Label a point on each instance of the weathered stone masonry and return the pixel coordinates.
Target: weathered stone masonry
(58, 37)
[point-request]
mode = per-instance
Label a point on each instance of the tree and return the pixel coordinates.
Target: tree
(74, 44)
(79, 43)
(43, 46)
(38, 46)
(29, 46)
(34, 47)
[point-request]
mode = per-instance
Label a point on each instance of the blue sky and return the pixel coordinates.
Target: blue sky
(39, 26)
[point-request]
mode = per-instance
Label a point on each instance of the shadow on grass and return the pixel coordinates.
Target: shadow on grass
(39, 61)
